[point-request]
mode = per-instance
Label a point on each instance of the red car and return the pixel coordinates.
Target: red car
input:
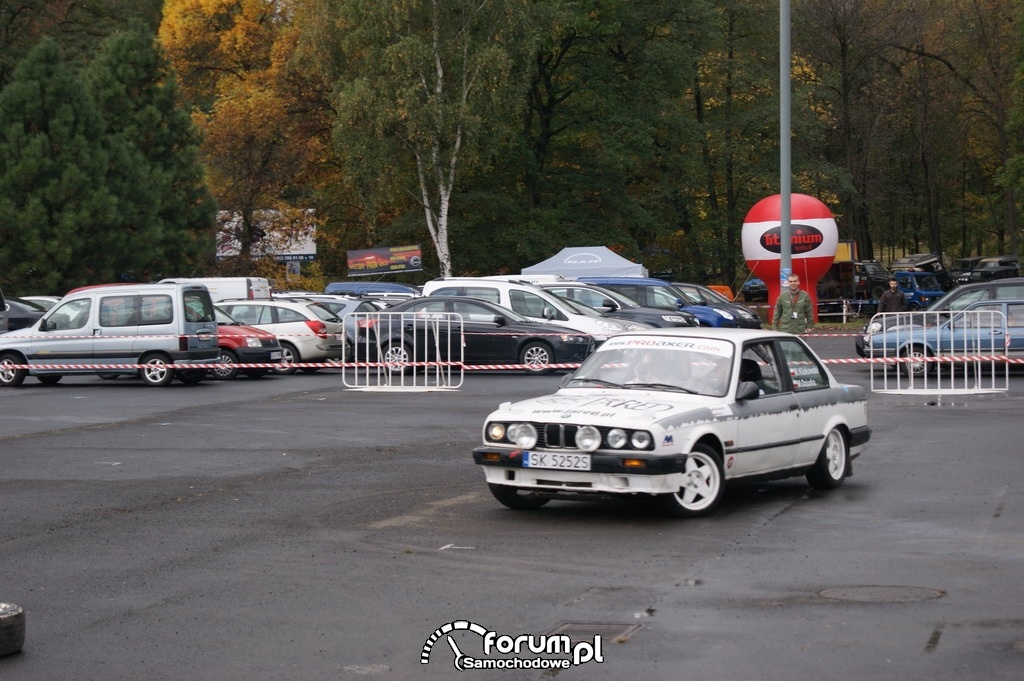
(241, 344)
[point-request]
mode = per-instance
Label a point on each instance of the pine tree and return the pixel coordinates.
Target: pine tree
(56, 211)
(167, 215)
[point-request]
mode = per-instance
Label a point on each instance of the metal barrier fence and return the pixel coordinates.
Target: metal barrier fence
(940, 353)
(405, 350)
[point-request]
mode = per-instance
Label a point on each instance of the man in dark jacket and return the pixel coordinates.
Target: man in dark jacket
(892, 300)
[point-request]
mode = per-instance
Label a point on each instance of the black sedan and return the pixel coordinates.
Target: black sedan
(619, 305)
(22, 314)
(428, 329)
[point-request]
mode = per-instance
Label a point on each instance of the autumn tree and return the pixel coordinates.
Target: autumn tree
(231, 57)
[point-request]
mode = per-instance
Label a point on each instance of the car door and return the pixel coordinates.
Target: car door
(768, 426)
(484, 340)
(65, 335)
(811, 387)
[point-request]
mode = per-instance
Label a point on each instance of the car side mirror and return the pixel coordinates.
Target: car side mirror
(747, 390)
(549, 312)
(610, 305)
(500, 320)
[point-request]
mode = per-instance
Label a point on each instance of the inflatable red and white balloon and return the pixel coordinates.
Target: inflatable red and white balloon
(813, 240)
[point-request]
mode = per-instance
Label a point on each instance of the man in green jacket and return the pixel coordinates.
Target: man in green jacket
(793, 312)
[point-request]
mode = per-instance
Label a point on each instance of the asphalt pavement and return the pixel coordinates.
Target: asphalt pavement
(290, 528)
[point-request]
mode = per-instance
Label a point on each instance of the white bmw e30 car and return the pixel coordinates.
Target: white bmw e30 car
(674, 414)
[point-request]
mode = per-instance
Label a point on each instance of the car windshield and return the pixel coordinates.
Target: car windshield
(578, 308)
(323, 313)
(928, 283)
(700, 366)
(223, 317)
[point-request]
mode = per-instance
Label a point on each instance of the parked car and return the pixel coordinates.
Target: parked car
(308, 331)
(365, 288)
(228, 288)
(21, 313)
(921, 288)
(137, 329)
(990, 327)
(722, 405)
(870, 279)
(957, 299)
(427, 329)
(241, 344)
(964, 266)
(619, 306)
(987, 269)
(754, 289)
(704, 295)
(45, 302)
(533, 302)
(342, 307)
(924, 262)
(660, 293)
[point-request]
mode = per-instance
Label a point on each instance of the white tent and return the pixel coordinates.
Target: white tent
(587, 261)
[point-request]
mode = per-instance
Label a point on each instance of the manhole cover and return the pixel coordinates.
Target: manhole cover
(586, 631)
(881, 594)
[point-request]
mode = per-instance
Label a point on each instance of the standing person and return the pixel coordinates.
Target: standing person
(892, 300)
(793, 312)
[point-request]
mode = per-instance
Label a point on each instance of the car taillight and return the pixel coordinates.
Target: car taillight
(317, 327)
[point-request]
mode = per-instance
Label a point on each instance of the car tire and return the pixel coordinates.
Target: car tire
(11, 378)
(156, 370)
(396, 351)
(833, 463)
(289, 356)
(50, 379)
(914, 369)
(12, 628)
(191, 376)
(536, 353)
(513, 497)
(703, 485)
(230, 370)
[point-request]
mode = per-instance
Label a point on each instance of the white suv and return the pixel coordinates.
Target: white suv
(533, 302)
(308, 331)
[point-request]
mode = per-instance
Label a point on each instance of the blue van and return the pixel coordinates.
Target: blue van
(660, 293)
(357, 289)
(921, 288)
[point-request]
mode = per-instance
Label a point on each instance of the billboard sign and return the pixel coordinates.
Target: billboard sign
(385, 260)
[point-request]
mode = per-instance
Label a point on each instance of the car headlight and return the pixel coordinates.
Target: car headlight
(633, 326)
(252, 341)
(617, 438)
(588, 438)
(609, 326)
(574, 338)
(725, 314)
(496, 432)
(874, 327)
(522, 435)
(673, 319)
(641, 440)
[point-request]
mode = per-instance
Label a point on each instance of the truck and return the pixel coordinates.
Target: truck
(924, 262)
(852, 278)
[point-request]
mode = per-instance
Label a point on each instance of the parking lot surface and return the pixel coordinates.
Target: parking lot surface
(289, 528)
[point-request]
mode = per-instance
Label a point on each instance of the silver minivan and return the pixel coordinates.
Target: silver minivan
(115, 330)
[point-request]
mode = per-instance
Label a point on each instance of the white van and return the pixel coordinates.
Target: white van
(534, 302)
(228, 288)
(131, 329)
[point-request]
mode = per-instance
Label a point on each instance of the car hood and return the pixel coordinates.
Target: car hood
(614, 407)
